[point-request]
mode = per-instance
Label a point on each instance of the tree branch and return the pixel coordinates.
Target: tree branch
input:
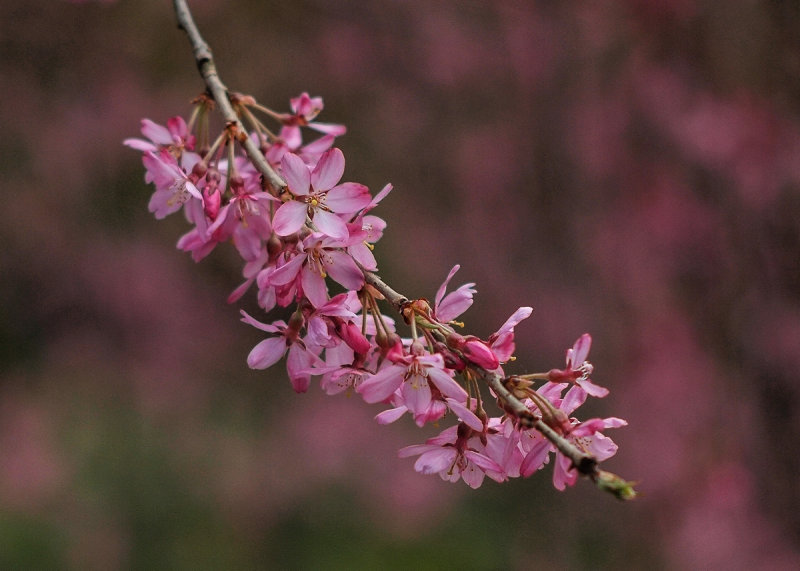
(586, 464)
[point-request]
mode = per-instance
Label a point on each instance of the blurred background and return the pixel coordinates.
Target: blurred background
(628, 168)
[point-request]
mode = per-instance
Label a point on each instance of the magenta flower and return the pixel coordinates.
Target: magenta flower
(457, 453)
(320, 257)
(578, 368)
(173, 187)
(174, 139)
(412, 374)
(584, 435)
(318, 196)
(300, 357)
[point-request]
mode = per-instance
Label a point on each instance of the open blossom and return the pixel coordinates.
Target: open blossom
(317, 195)
(300, 356)
(586, 436)
(413, 374)
(173, 187)
(319, 257)
(175, 139)
(578, 368)
(457, 453)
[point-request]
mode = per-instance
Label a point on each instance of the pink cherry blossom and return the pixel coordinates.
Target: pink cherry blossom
(457, 453)
(319, 257)
(300, 356)
(173, 187)
(412, 374)
(318, 196)
(584, 435)
(173, 139)
(578, 368)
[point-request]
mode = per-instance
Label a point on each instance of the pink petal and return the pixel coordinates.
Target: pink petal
(579, 351)
(416, 393)
(382, 384)
(344, 270)
(602, 447)
(267, 353)
(535, 459)
(347, 198)
(328, 128)
(519, 315)
(298, 362)
(289, 218)
(269, 328)
(363, 255)
(296, 173)
(443, 287)
(330, 224)
(415, 449)
(588, 427)
(288, 271)
(314, 287)
(614, 422)
(472, 476)
(140, 145)
(467, 416)
(329, 170)
(563, 473)
(389, 416)
(574, 398)
(159, 134)
(447, 385)
(593, 389)
(484, 462)
(435, 461)
(456, 303)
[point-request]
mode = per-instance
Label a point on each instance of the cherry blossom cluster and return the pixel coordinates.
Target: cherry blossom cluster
(315, 235)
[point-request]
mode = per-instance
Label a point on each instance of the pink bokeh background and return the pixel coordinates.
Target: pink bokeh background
(631, 169)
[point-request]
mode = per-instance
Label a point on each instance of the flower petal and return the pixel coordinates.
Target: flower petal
(344, 270)
(467, 416)
(579, 351)
(347, 198)
(288, 271)
(267, 353)
(296, 173)
(314, 287)
(329, 170)
(289, 218)
(382, 384)
(448, 386)
(330, 225)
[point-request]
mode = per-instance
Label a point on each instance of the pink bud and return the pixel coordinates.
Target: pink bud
(211, 203)
(351, 334)
(476, 351)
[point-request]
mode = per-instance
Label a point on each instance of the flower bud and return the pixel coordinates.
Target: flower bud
(476, 351)
(351, 334)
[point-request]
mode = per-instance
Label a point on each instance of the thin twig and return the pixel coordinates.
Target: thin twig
(208, 70)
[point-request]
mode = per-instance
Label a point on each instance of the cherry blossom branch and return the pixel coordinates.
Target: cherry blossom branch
(475, 356)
